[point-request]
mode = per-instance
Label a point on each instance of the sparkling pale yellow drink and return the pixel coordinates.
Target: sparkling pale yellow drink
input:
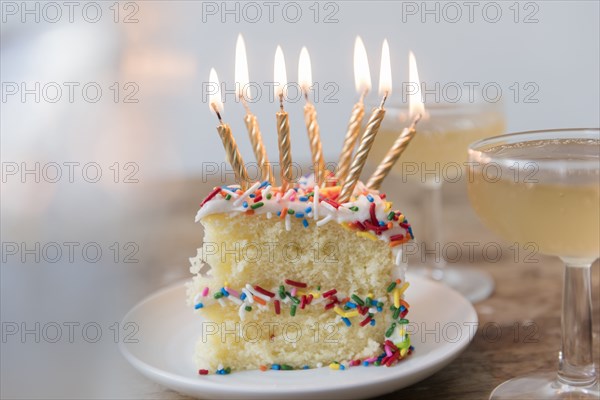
(543, 187)
(442, 138)
(556, 208)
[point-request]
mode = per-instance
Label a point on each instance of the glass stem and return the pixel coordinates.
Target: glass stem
(576, 363)
(434, 237)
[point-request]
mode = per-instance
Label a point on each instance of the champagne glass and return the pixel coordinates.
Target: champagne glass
(437, 154)
(544, 187)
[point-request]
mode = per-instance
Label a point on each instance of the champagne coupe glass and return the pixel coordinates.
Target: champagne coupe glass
(544, 187)
(437, 154)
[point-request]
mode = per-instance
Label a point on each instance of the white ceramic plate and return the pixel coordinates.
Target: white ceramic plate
(442, 321)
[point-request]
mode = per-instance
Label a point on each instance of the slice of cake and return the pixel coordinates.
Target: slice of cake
(296, 280)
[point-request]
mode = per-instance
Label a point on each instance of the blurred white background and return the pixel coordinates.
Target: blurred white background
(149, 60)
(168, 53)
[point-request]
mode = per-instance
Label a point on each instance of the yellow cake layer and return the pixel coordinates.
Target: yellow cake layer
(253, 249)
(264, 338)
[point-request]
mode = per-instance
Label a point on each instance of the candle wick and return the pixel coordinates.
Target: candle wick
(362, 95)
(214, 107)
(413, 125)
(281, 101)
(306, 96)
(383, 100)
(417, 119)
(243, 99)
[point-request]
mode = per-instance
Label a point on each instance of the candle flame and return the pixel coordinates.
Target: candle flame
(241, 67)
(415, 99)
(214, 98)
(280, 76)
(362, 73)
(304, 70)
(385, 70)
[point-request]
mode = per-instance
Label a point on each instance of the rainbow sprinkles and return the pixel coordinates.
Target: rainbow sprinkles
(297, 295)
(368, 215)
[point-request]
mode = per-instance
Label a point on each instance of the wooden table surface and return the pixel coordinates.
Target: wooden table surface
(519, 325)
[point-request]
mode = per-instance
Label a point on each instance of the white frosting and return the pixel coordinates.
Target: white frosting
(318, 210)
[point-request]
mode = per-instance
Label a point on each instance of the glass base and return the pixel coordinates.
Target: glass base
(543, 386)
(472, 283)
